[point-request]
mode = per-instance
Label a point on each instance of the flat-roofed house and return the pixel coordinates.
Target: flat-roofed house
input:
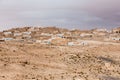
(26, 33)
(7, 39)
(86, 35)
(17, 34)
(46, 34)
(116, 30)
(100, 30)
(2, 40)
(7, 34)
(59, 41)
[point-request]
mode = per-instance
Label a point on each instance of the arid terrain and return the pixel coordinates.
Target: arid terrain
(59, 39)
(24, 61)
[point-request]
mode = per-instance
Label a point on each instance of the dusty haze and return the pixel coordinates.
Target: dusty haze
(83, 14)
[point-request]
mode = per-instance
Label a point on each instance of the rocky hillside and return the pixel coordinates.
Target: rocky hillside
(22, 61)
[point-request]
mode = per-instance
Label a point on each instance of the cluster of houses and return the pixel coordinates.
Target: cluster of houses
(56, 36)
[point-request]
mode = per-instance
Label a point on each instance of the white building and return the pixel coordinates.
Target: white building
(7, 33)
(46, 34)
(71, 44)
(45, 42)
(60, 35)
(7, 39)
(26, 33)
(38, 41)
(31, 29)
(17, 34)
(77, 43)
(86, 35)
(100, 30)
(115, 38)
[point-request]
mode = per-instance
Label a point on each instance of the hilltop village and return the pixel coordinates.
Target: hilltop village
(51, 53)
(59, 36)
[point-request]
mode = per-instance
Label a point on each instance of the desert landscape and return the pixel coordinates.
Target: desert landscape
(48, 54)
(59, 39)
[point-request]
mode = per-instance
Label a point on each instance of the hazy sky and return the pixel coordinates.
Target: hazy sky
(82, 14)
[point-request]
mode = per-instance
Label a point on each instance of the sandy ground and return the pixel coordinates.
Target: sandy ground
(20, 61)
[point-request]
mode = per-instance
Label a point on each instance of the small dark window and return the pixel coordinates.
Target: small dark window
(117, 32)
(90, 35)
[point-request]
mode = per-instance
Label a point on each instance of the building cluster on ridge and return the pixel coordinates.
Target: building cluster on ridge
(59, 36)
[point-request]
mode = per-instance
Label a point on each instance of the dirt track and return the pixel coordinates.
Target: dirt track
(42, 62)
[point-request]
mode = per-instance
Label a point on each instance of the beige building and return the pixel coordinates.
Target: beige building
(100, 30)
(59, 41)
(86, 35)
(115, 38)
(116, 30)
